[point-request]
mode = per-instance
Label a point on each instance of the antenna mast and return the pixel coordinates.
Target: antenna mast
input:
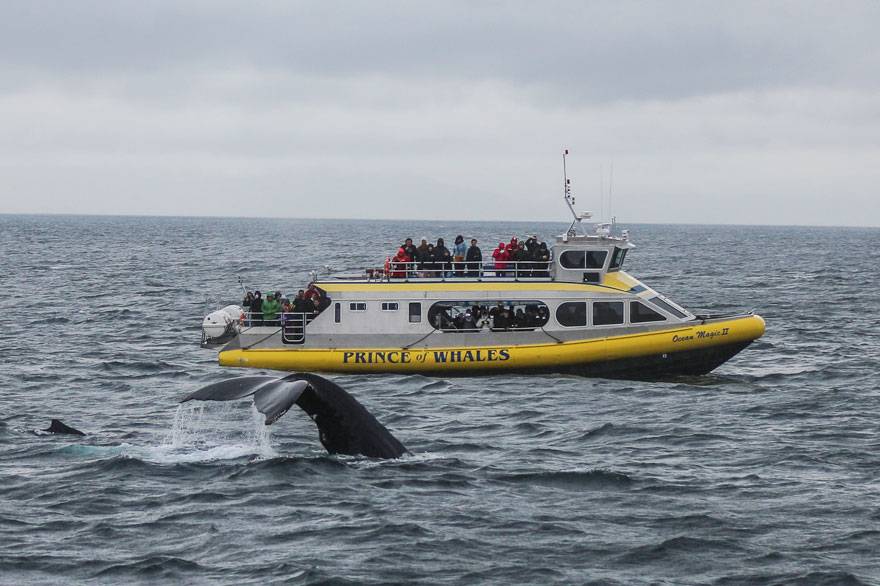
(569, 199)
(611, 194)
(566, 191)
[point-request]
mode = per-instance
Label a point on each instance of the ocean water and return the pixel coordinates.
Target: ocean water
(767, 471)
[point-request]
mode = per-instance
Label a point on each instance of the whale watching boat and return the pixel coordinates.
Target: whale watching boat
(579, 313)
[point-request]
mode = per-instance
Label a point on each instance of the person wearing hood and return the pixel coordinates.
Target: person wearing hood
(428, 265)
(399, 263)
(501, 257)
(474, 259)
(443, 258)
(270, 310)
(459, 250)
(257, 309)
(523, 267)
(542, 260)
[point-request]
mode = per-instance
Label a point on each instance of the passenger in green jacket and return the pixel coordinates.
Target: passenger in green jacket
(270, 310)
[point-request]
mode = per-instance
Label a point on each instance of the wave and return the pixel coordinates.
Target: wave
(837, 578)
(682, 546)
(571, 480)
(161, 567)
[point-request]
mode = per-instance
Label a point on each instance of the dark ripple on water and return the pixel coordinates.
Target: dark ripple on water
(765, 472)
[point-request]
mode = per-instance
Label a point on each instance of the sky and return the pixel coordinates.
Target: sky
(708, 112)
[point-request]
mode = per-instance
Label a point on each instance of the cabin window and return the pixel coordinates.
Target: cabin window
(640, 313)
(583, 259)
(357, 306)
(666, 306)
(337, 312)
(415, 313)
(389, 306)
(483, 315)
(573, 259)
(596, 258)
(617, 258)
(572, 314)
(606, 313)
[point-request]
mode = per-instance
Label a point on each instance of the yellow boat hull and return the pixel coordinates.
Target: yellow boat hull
(692, 349)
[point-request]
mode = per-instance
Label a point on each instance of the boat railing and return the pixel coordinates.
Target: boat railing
(523, 270)
(291, 324)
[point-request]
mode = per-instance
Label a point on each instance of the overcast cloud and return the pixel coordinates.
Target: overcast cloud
(734, 112)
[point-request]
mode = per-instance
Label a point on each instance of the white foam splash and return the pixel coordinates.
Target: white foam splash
(222, 431)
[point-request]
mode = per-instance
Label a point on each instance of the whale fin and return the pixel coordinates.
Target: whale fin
(58, 426)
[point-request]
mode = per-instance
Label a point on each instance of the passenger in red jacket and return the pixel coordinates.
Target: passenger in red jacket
(398, 263)
(501, 257)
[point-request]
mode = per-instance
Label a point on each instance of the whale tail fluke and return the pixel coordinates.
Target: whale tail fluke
(344, 425)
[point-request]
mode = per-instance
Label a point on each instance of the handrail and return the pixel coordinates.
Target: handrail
(477, 270)
(251, 320)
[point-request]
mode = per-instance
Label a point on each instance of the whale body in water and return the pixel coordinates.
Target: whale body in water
(58, 426)
(344, 425)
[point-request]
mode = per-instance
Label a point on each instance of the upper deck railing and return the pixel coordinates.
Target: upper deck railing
(524, 270)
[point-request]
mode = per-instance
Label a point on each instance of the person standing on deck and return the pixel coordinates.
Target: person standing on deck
(270, 310)
(459, 250)
(501, 257)
(257, 309)
(474, 259)
(297, 305)
(542, 256)
(421, 251)
(443, 258)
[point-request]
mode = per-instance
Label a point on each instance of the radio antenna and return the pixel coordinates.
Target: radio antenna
(611, 193)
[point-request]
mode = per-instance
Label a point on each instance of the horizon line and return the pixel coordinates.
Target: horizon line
(440, 220)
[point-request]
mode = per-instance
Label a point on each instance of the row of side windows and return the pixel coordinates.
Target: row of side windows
(568, 314)
(605, 313)
(415, 309)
